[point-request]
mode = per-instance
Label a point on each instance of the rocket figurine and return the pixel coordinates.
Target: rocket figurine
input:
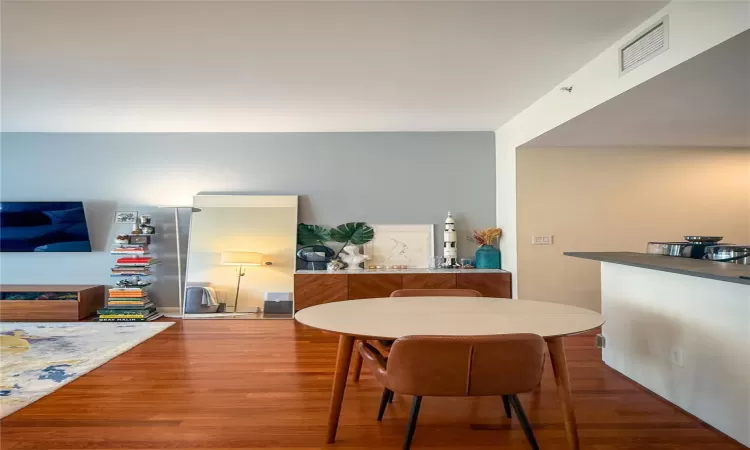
(450, 251)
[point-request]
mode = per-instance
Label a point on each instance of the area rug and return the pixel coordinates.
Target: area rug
(39, 358)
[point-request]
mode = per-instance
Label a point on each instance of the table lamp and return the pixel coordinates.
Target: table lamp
(241, 259)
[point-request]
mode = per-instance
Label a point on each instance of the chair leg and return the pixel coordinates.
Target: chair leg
(516, 404)
(356, 364)
(412, 421)
(506, 405)
(390, 398)
(387, 393)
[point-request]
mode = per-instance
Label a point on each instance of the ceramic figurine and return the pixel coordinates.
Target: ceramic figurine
(352, 258)
(335, 264)
(450, 242)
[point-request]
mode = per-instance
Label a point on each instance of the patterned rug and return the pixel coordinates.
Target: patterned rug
(38, 358)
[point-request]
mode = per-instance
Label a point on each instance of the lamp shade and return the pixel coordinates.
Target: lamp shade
(241, 259)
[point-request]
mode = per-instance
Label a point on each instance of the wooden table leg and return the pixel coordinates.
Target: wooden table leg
(562, 379)
(344, 356)
(356, 364)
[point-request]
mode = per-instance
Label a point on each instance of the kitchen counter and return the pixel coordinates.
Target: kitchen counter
(733, 273)
(401, 271)
(679, 327)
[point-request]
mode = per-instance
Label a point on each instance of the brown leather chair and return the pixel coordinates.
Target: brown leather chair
(454, 366)
(384, 346)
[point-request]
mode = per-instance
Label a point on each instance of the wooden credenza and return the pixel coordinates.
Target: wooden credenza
(75, 302)
(323, 287)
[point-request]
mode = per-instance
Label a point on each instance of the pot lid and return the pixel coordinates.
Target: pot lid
(703, 239)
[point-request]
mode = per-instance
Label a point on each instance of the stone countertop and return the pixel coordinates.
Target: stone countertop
(733, 273)
(401, 271)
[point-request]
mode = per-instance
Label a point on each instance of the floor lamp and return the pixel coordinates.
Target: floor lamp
(179, 251)
(241, 259)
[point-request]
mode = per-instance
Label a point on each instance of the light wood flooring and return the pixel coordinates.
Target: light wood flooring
(230, 384)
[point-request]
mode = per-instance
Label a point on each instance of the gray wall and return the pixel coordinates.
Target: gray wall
(398, 178)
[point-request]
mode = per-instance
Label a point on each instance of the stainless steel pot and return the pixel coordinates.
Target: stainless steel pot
(669, 248)
(737, 254)
(703, 239)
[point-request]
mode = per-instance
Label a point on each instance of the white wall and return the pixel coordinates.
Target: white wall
(694, 28)
(650, 314)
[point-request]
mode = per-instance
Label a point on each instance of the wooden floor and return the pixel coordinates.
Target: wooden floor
(266, 384)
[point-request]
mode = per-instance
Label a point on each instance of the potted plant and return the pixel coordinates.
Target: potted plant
(487, 255)
(314, 238)
(314, 252)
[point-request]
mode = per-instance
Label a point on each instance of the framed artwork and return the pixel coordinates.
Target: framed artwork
(126, 216)
(410, 245)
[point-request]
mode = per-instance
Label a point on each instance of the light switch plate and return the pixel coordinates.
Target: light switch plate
(542, 240)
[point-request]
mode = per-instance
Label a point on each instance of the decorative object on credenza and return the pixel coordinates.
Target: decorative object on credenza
(312, 234)
(126, 216)
(316, 257)
(316, 254)
(357, 233)
(450, 243)
(335, 264)
(435, 262)
(411, 246)
(466, 263)
(487, 255)
(352, 258)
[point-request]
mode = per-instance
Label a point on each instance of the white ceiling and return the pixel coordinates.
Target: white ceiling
(293, 66)
(703, 102)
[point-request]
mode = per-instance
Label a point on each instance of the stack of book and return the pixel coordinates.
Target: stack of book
(126, 249)
(129, 304)
(129, 301)
(133, 266)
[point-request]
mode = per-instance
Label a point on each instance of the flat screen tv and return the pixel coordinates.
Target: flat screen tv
(43, 227)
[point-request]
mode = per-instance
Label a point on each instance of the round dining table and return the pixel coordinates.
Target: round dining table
(395, 317)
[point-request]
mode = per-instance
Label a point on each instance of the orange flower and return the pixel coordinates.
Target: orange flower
(486, 236)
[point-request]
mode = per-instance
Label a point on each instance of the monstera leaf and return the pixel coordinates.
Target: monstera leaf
(312, 234)
(356, 233)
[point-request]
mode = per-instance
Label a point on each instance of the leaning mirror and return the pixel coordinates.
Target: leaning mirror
(241, 257)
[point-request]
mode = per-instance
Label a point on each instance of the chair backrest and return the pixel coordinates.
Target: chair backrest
(454, 366)
(435, 293)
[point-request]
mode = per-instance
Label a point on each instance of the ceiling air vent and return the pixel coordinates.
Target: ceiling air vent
(644, 46)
